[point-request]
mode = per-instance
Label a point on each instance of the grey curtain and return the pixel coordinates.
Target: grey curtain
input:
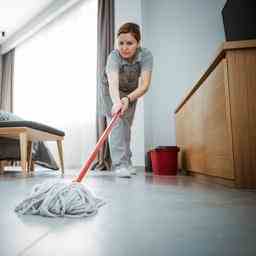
(105, 45)
(6, 81)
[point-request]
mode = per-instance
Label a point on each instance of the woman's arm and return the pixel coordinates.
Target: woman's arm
(143, 86)
(113, 81)
(123, 104)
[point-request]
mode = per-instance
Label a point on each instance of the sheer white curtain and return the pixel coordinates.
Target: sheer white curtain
(55, 80)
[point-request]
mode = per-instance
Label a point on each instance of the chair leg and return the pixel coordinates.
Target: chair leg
(32, 167)
(29, 155)
(60, 150)
(23, 152)
(1, 167)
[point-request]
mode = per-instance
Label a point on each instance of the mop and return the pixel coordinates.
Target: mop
(62, 198)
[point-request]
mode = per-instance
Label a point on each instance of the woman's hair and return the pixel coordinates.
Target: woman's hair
(132, 28)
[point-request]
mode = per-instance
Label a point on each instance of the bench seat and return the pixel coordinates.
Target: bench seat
(27, 132)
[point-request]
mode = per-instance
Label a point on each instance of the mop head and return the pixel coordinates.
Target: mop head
(59, 199)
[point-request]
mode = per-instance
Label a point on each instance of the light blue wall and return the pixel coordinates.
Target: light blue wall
(183, 36)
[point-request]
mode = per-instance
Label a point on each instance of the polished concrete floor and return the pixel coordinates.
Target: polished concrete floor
(145, 215)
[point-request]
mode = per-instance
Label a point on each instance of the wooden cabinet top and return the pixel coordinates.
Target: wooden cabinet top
(224, 47)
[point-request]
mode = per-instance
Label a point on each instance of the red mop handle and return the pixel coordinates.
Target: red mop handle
(93, 154)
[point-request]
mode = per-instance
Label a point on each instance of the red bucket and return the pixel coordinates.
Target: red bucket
(164, 160)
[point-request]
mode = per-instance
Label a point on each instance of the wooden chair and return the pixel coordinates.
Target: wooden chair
(27, 132)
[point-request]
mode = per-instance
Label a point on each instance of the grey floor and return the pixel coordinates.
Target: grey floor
(145, 215)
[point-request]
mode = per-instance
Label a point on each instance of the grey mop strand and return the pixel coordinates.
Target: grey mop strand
(59, 199)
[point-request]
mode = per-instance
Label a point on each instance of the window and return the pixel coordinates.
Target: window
(55, 79)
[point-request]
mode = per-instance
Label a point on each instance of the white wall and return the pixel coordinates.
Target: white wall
(48, 14)
(130, 11)
(183, 36)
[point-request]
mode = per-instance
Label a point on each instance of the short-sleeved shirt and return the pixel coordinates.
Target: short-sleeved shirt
(129, 73)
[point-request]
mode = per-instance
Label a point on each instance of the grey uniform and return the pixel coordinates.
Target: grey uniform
(129, 74)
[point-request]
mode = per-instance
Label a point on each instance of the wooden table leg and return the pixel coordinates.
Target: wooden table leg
(23, 152)
(60, 150)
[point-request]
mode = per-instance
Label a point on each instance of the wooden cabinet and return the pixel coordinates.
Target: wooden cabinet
(216, 122)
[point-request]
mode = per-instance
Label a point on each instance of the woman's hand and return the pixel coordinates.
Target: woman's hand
(122, 105)
(125, 105)
(116, 107)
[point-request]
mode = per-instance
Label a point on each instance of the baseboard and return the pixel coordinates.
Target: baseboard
(212, 179)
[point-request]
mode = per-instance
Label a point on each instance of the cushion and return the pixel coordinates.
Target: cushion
(33, 125)
(8, 116)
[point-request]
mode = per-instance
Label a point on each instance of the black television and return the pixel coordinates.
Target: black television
(239, 19)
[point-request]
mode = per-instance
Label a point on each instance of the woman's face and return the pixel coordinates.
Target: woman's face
(127, 45)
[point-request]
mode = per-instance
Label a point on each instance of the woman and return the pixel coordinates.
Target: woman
(127, 77)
